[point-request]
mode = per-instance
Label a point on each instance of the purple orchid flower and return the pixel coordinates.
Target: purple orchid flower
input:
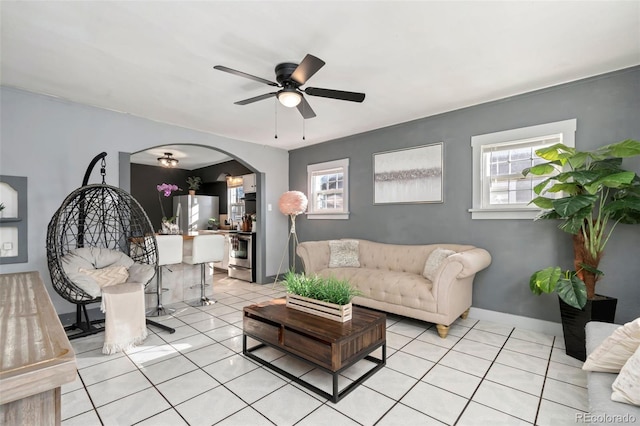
(167, 188)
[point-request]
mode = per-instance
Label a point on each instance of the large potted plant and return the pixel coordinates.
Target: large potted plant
(591, 194)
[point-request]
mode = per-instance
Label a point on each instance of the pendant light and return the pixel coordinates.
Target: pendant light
(167, 160)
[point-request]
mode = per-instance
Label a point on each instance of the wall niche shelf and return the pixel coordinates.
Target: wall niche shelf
(9, 219)
(13, 223)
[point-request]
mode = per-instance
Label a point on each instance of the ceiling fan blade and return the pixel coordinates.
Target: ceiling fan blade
(335, 94)
(305, 109)
(308, 67)
(245, 75)
(255, 99)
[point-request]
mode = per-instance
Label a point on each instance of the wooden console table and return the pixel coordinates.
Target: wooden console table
(328, 345)
(36, 357)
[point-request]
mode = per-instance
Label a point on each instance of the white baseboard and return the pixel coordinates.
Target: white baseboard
(540, 326)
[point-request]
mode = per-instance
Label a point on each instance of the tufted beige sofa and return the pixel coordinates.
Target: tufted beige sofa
(390, 278)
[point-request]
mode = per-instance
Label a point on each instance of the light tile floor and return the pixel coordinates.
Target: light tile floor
(482, 373)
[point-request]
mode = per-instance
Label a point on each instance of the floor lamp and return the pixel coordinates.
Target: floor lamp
(291, 203)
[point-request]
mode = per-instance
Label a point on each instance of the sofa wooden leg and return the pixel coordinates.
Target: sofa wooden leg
(443, 330)
(465, 314)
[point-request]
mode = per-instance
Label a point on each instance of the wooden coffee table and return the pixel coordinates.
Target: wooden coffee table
(328, 345)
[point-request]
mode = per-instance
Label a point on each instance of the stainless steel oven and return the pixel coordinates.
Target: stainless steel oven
(241, 252)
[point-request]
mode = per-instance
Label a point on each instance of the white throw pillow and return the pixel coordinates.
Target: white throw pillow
(344, 253)
(433, 262)
(615, 350)
(626, 387)
(111, 275)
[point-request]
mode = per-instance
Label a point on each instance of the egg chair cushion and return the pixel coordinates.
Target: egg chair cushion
(84, 265)
(141, 273)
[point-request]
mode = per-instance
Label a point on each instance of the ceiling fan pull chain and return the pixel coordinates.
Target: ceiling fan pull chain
(303, 123)
(276, 117)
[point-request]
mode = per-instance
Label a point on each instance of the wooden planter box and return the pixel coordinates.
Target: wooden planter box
(340, 313)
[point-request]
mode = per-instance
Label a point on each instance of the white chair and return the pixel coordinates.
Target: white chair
(206, 249)
(169, 253)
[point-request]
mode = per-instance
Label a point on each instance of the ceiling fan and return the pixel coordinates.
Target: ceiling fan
(290, 77)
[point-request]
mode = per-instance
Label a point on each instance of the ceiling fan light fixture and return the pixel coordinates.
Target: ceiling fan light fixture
(289, 98)
(167, 160)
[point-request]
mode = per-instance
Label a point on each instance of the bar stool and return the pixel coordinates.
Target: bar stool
(206, 248)
(169, 253)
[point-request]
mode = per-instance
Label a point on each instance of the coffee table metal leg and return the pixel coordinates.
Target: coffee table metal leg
(245, 350)
(336, 394)
(380, 363)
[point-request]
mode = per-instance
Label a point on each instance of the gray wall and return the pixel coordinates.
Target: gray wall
(607, 109)
(51, 141)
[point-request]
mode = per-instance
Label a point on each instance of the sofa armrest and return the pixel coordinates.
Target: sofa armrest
(472, 261)
(315, 256)
(452, 286)
(596, 332)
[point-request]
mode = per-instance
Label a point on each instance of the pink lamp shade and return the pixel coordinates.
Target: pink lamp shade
(293, 203)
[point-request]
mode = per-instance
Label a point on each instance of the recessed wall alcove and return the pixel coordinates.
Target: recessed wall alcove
(13, 219)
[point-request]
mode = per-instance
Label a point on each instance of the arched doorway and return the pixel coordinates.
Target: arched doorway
(141, 172)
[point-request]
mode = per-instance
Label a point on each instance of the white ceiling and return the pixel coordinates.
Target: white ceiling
(155, 59)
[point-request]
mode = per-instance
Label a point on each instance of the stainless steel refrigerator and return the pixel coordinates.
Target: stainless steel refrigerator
(194, 211)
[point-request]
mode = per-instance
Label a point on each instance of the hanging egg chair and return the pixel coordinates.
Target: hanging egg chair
(96, 228)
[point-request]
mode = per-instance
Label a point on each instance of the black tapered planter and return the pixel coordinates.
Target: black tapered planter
(602, 308)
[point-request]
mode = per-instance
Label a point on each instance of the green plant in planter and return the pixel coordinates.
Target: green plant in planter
(194, 182)
(597, 195)
(331, 290)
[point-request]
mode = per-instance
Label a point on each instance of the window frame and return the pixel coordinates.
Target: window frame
(235, 195)
(522, 136)
(313, 170)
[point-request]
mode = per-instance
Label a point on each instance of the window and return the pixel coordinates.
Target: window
(328, 185)
(500, 191)
(235, 199)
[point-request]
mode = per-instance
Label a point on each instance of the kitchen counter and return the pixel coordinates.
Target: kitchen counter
(181, 281)
(190, 235)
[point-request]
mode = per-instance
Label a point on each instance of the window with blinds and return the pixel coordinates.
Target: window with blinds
(500, 190)
(327, 183)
